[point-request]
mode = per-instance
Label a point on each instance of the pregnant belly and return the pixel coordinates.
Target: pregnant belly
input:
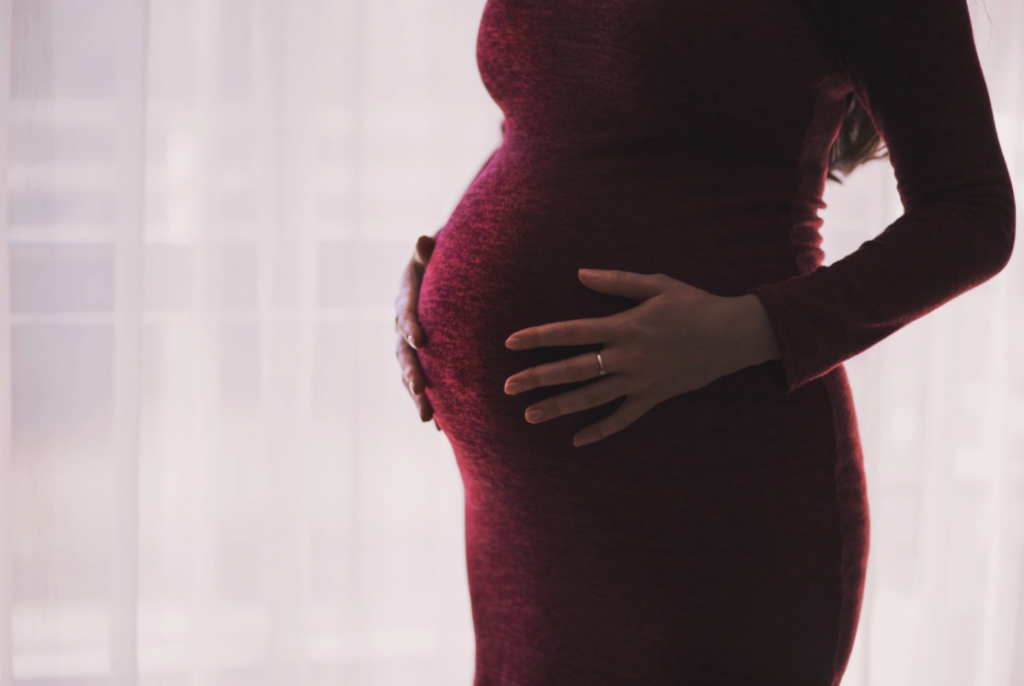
(481, 286)
(508, 259)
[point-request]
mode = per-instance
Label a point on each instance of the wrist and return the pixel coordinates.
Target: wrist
(755, 338)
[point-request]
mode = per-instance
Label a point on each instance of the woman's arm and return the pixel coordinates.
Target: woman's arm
(915, 69)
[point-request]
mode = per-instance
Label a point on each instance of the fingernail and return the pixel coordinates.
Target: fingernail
(512, 342)
(411, 342)
(412, 388)
(535, 415)
(513, 387)
(437, 425)
(578, 441)
(590, 273)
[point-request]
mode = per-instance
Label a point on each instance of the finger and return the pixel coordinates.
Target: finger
(410, 364)
(572, 332)
(406, 303)
(425, 409)
(424, 248)
(604, 390)
(409, 325)
(626, 284)
(423, 406)
(407, 319)
(411, 331)
(578, 368)
(628, 412)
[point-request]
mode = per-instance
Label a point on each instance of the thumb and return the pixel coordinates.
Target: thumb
(626, 284)
(424, 248)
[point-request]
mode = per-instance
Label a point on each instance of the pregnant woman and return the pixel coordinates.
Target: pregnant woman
(662, 468)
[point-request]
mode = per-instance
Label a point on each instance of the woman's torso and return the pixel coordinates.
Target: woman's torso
(643, 135)
(648, 136)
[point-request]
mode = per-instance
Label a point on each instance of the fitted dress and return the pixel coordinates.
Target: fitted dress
(722, 538)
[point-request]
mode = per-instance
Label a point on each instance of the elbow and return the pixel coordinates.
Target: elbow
(993, 214)
(1007, 251)
(1004, 219)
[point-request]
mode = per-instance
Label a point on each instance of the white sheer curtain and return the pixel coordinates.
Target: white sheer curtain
(210, 472)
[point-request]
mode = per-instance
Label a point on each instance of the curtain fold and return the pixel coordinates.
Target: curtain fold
(210, 472)
(6, 471)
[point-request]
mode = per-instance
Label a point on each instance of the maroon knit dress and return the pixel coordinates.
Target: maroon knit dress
(722, 538)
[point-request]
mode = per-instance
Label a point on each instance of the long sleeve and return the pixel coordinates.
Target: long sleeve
(914, 67)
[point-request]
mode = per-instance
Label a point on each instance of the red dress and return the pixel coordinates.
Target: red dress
(722, 538)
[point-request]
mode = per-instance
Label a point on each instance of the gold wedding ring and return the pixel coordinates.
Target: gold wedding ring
(600, 364)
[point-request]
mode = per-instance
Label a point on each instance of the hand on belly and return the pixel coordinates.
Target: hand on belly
(678, 339)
